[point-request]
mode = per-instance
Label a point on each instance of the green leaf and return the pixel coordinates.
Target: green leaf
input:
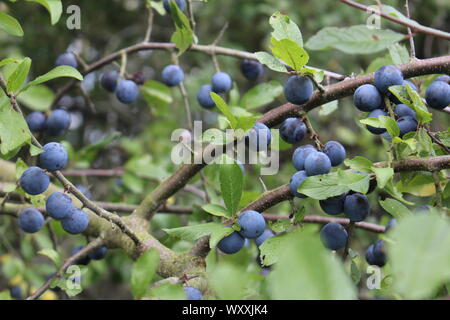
(183, 37)
(383, 176)
(412, 99)
(168, 291)
(219, 279)
(10, 25)
(52, 255)
(54, 7)
(223, 107)
(399, 54)
(231, 183)
(285, 28)
(307, 270)
(38, 98)
(290, 52)
(157, 94)
(261, 95)
(58, 72)
(216, 231)
(354, 40)
(390, 125)
(14, 132)
(270, 61)
(359, 163)
(143, 271)
(395, 208)
(216, 210)
(7, 61)
(18, 77)
(324, 186)
(418, 255)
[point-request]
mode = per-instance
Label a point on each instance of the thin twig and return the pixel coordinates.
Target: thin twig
(416, 27)
(412, 47)
(148, 32)
(349, 229)
(97, 243)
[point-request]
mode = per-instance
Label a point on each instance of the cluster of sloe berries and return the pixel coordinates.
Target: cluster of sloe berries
(55, 125)
(253, 226)
(35, 181)
(221, 82)
(369, 98)
(375, 254)
(127, 91)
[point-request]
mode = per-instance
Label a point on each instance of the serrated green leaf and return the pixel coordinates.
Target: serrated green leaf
(261, 95)
(54, 7)
(285, 28)
(395, 208)
(354, 40)
(322, 275)
(14, 132)
(52, 255)
(156, 94)
(399, 54)
(216, 210)
(359, 163)
(419, 270)
(58, 72)
(183, 37)
(324, 186)
(223, 107)
(270, 61)
(290, 53)
(18, 77)
(231, 184)
(383, 176)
